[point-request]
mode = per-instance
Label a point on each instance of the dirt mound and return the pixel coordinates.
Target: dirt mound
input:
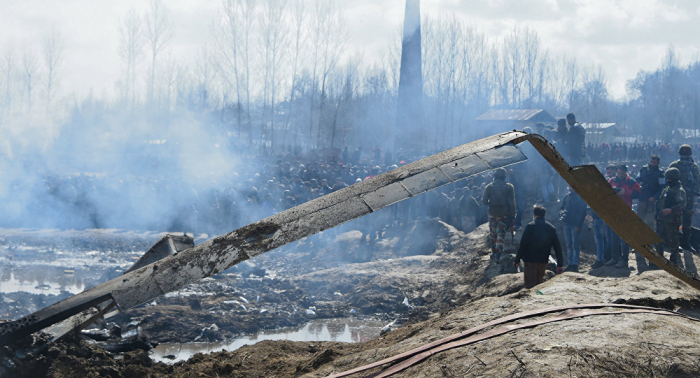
(609, 345)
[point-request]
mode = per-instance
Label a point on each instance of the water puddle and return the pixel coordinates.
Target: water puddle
(10, 282)
(340, 330)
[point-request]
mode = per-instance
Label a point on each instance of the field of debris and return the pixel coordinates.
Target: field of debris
(421, 288)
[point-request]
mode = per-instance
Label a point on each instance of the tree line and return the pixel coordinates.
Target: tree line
(278, 74)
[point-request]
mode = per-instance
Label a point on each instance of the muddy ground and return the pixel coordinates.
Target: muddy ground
(433, 286)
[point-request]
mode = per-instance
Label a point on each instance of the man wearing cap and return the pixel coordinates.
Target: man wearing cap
(671, 205)
(690, 180)
(499, 196)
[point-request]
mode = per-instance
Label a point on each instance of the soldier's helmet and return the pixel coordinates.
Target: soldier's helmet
(672, 174)
(685, 150)
(500, 174)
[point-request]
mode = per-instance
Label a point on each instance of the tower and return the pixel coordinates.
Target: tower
(408, 130)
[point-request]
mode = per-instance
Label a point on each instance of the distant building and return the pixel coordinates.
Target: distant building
(686, 135)
(598, 133)
(502, 120)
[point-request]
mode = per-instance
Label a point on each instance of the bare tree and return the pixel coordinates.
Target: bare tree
(30, 68)
(333, 36)
(273, 38)
(170, 69)
(513, 63)
(247, 8)
(226, 38)
(53, 54)
(131, 52)
(9, 68)
(298, 24)
(346, 87)
(158, 34)
(205, 74)
(572, 75)
(531, 56)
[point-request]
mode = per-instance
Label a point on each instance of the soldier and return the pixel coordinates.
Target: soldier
(671, 206)
(690, 180)
(651, 179)
(499, 196)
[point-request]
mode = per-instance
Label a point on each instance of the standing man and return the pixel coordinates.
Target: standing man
(651, 180)
(536, 244)
(573, 213)
(670, 214)
(690, 180)
(625, 186)
(499, 196)
(576, 140)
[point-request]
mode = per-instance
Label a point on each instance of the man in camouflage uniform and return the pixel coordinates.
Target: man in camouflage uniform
(499, 196)
(670, 208)
(690, 180)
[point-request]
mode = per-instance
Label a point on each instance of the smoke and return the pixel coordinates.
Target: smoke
(107, 168)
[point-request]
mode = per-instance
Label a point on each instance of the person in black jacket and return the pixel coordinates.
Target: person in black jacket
(572, 214)
(536, 244)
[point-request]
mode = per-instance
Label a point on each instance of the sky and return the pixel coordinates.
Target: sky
(623, 36)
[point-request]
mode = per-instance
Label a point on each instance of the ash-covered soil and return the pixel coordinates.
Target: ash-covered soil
(433, 287)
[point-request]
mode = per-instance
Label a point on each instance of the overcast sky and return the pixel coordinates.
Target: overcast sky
(624, 36)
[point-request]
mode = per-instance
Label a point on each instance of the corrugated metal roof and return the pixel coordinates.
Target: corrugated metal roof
(512, 115)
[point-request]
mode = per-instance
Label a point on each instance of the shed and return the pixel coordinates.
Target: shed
(597, 133)
(685, 135)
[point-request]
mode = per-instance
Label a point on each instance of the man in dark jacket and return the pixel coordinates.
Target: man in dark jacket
(651, 179)
(536, 244)
(572, 214)
(576, 140)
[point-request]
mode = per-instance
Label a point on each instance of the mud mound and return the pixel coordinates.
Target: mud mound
(609, 345)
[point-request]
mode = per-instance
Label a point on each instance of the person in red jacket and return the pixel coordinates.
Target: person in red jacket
(627, 189)
(624, 185)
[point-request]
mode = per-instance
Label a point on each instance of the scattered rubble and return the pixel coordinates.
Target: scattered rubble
(449, 292)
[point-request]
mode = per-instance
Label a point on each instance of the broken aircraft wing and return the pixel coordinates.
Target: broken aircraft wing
(189, 266)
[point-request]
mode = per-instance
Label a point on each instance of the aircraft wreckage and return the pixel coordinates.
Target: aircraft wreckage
(183, 266)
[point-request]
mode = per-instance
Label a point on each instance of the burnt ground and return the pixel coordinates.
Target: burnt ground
(449, 284)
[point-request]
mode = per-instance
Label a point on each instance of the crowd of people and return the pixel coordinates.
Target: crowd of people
(664, 198)
(265, 185)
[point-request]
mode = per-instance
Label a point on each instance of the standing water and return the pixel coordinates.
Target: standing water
(340, 330)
